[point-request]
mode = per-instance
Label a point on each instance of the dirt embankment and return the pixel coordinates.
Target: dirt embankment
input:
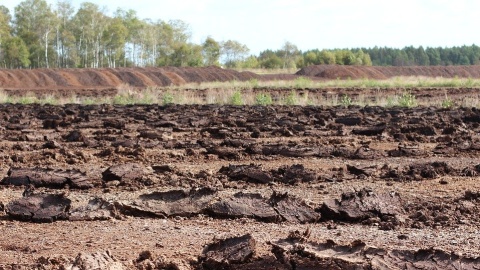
(104, 78)
(108, 79)
(380, 73)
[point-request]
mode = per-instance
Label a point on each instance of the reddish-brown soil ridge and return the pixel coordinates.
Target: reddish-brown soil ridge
(380, 73)
(104, 78)
(106, 81)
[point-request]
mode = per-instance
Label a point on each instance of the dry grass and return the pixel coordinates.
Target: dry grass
(306, 83)
(303, 93)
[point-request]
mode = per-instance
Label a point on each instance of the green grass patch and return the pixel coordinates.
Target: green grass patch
(263, 99)
(237, 99)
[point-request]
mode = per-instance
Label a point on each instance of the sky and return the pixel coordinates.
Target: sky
(314, 24)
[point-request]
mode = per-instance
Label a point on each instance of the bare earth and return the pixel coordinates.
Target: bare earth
(151, 186)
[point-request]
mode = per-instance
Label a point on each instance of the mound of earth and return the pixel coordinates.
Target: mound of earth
(379, 73)
(105, 78)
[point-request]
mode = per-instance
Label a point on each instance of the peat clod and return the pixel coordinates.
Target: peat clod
(227, 153)
(96, 209)
(98, 260)
(145, 262)
(124, 172)
(430, 170)
(75, 136)
(244, 205)
(51, 178)
(370, 130)
(292, 209)
(277, 208)
(169, 203)
(39, 208)
(407, 150)
(362, 205)
(250, 173)
(362, 171)
(357, 255)
(222, 254)
(255, 174)
(366, 152)
(471, 195)
(295, 174)
(349, 121)
(290, 151)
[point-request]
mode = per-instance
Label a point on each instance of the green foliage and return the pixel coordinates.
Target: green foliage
(250, 62)
(390, 102)
(269, 59)
(123, 99)
(237, 98)
(345, 100)
(263, 99)
(464, 55)
(407, 100)
(16, 53)
(49, 99)
(148, 97)
(469, 82)
(326, 57)
(310, 58)
(4, 24)
(211, 52)
(29, 98)
(187, 55)
(302, 82)
(234, 53)
(448, 103)
(253, 83)
(291, 98)
(167, 99)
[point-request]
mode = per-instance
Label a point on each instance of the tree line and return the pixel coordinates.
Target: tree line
(429, 56)
(38, 35)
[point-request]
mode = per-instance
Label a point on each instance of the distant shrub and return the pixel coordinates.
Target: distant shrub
(263, 99)
(123, 99)
(390, 102)
(407, 100)
(236, 98)
(447, 103)
(302, 82)
(167, 99)
(345, 100)
(469, 82)
(253, 83)
(26, 99)
(291, 99)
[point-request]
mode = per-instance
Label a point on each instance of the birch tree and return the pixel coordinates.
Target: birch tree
(233, 52)
(34, 23)
(15, 53)
(4, 30)
(65, 40)
(89, 23)
(211, 52)
(114, 38)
